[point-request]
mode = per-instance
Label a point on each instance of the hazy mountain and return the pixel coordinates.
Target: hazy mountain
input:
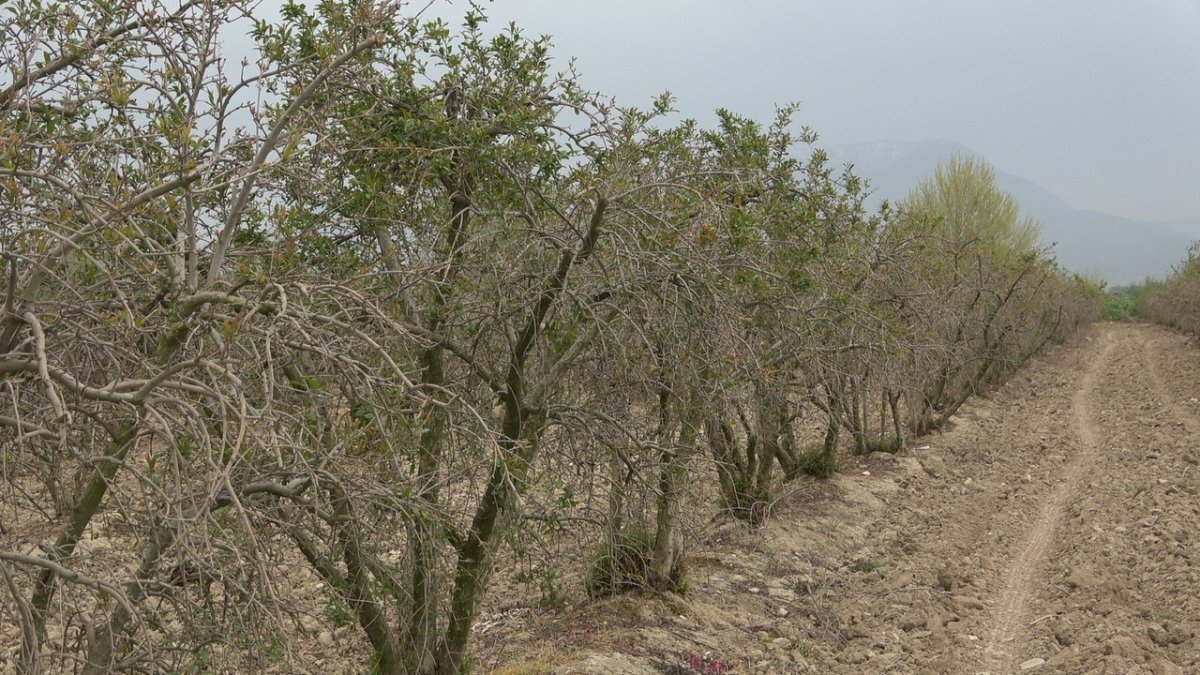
(1121, 250)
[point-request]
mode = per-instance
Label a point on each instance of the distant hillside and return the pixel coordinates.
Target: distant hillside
(1121, 250)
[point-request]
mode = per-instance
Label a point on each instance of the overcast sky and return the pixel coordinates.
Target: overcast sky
(1096, 100)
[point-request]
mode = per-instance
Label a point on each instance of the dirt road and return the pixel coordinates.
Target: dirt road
(1052, 530)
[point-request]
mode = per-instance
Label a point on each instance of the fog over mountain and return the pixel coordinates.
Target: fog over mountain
(1121, 250)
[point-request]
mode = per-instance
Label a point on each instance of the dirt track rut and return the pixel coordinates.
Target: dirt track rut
(1055, 527)
(1011, 607)
(1050, 529)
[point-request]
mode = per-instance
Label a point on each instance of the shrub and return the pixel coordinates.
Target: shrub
(623, 563)
(817, 463)
(1118, 306)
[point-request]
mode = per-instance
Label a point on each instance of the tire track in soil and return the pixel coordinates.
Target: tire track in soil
(1008, 616)
(1118, 589)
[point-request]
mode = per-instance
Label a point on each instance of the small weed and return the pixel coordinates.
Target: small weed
(550, 592)
(777, 565)
(699, 561)
(272, 648)
(865, 565)
(806, 586)
(337, 613)
(890, 445)
(202, 660)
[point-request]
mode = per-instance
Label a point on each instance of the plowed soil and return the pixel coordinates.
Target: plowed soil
(1051, 529)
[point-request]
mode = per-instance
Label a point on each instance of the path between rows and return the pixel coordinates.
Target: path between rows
(1011, 607)
(1057, 534)
(1050, 529)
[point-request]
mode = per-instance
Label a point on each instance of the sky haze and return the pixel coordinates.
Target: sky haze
(1097, 101)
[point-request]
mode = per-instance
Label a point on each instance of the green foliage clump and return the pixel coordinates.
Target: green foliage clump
(817, 463)
(545, 581)
(965, 205)
(890, 445)
(623, 563)
(866, 565)
(1130, 301)
(337, 613)
(1118, 307)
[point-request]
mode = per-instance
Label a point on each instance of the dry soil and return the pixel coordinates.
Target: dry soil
(1051, 529)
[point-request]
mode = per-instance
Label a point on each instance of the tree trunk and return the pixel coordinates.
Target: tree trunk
(854, 418)
(894, 404)
(81, 516)
(424, 594)
(833, 431)
(424, 591)
(666, 566)
(731, 470)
